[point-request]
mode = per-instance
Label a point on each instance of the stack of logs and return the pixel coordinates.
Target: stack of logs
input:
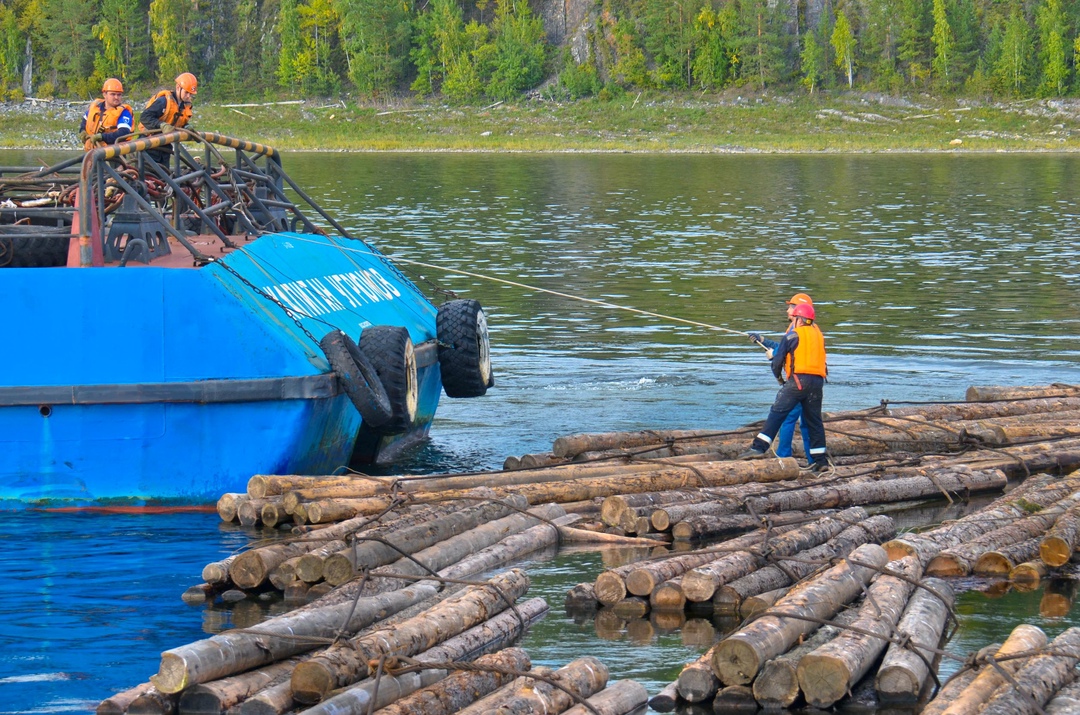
(801, 551)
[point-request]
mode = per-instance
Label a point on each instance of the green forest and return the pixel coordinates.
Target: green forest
(482, 50)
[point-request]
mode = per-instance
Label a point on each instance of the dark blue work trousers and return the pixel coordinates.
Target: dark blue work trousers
(789, 397)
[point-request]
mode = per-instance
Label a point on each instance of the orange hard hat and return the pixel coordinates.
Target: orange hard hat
(187, 81)
(800, 299)
(803, 310)
(112, 85)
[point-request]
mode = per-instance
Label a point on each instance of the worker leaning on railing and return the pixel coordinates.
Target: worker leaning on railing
(107, 120)
(167, 110)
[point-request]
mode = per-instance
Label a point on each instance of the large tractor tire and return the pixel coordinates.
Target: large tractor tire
(464, 348)
(390, 350)
(357, 377)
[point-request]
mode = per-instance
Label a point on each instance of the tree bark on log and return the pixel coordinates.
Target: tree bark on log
(571, 445)
(1040, 677)
(275, 700)
(344, 565)
(729, 597)
(697, 682)
(739, 657)
(1040, 490)
(1066, 701)
(620, 698)
(484, 547)
(217, 572)
(777, 685)
(960, 559)
(707, 527)
(973, 698)
(761, 602)
(119, 703)
(261, 486)
(231, 652)
(826, 674)
(220, 695)
(903, 672)
(613, 506)
(273, 513)
(1002, 561)
(700, 584)
(492, 635)
(1062, 539)
(991, 393)
(584, 677)
(955, 685)
(340, 666)
(309, 566)
(460, 689)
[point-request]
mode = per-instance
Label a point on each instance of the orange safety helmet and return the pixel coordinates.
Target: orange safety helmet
(187, 81)
(112, 85)
(803, 310)
(800, 299)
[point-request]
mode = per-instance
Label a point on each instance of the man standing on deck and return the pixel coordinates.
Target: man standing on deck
(107, 120)
(168, 110)
(801, 357)
(782, 444)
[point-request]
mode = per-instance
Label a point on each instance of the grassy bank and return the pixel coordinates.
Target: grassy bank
(636, 123)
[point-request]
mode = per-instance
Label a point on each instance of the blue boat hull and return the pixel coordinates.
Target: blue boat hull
(172, 386)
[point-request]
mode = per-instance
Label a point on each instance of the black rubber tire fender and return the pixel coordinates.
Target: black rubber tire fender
(390, 350)
(357, 377)
(464, 348)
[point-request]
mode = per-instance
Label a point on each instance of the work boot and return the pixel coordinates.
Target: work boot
(751, 454)
(819, 467)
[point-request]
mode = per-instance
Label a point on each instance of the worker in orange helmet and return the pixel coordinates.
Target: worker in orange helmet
(782, 444)
(107, 120)
(167, 110)
(800, 356)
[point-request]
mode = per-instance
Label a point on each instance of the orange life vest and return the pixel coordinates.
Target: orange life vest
(174, 114)
(101, 119)
(809, 355)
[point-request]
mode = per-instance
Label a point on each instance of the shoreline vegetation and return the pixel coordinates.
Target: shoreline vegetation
(645, 122)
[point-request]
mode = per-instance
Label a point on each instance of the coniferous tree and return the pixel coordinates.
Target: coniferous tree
(944, 46)
(714, 45)
(1055, 72)
(843, 42)
(170, 21)
(813, 62)
(669, 33)
(228, 80)
(375, 36)
(878, 43)
(520, 50)
(760, 49)
(289, 66)
(1013, 64)
(912, 39)
(119, 29)
(68, 24)
(11, 48)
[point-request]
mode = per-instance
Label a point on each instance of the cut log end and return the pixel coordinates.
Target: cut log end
(897, 685)
(735, 662)
(778, 685)
(172, 675)
(1055, 551)
(823, 679)
(609, 588)
(898, 550)
(993, 563)
(311, 682)
(640, 582)
(945, 565)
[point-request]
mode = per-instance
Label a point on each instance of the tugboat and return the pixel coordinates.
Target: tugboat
(176, 327)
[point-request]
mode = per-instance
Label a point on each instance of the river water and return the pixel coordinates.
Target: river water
(929, 273)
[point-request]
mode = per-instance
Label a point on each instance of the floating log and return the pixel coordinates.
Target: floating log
(613, 506)
(1062, 539)
(697, 682)
(273, 513)
(761, 602)
(707, 526)
(1040, 677)
(309, 566)
(631, 607)
(991, 393)
(460, 689)
(622, 697)
(339, 666)
(249, 511)
(729, 596)
(220, 695)
(668, 596)
(230, 652)
(739, 657)
(959, 560)
(227, 505)
(734, 698)
(777, 685)
(342, 566)
(956, 684)
(261, 486)
(611, 586)
(1023, 639)
(826, 674)
(492, 635)
(666, 700)
(903, 673)
(1066, 701)
(217, 572)
(701, 583)
(1002, 561)
(569, 446)
(1040, 490)
(1028, 574)
(118, 704)
(153, 702)
(539, 459)
(584, 677)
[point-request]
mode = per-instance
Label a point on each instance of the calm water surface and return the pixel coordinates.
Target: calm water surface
(930, 274)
